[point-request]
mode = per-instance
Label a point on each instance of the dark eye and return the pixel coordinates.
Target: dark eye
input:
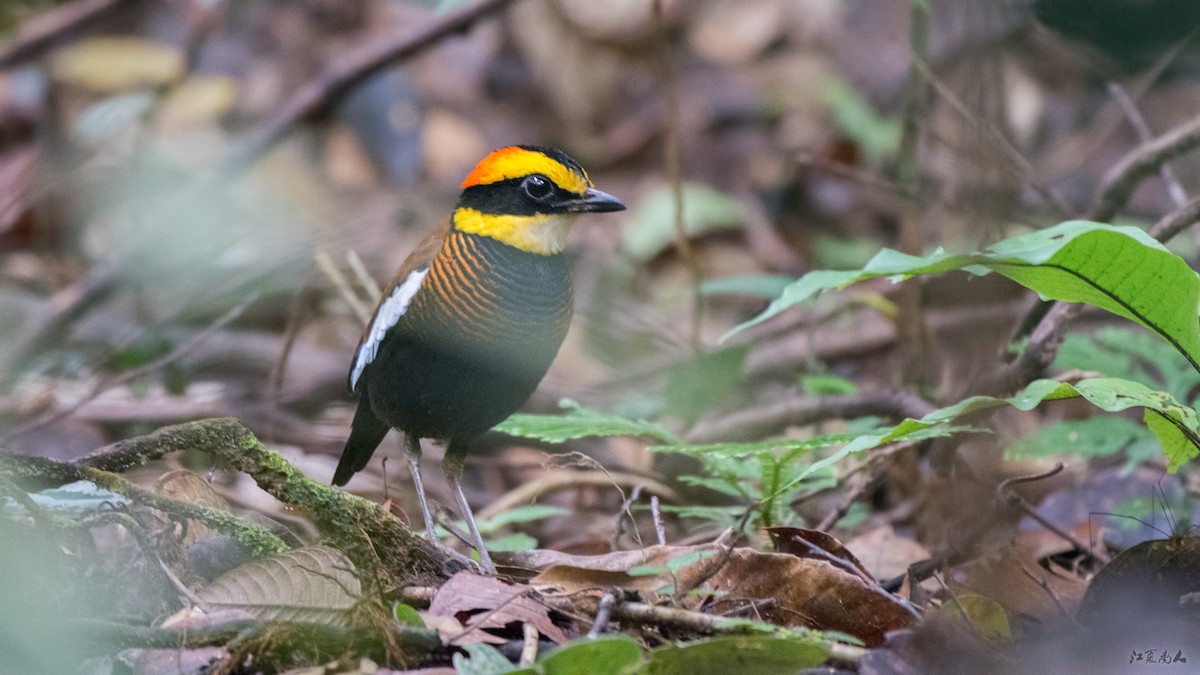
(538, 187)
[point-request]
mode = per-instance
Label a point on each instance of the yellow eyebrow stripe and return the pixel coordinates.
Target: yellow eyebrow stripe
(517, 162)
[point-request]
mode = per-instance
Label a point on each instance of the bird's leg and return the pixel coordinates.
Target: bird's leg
(452, 465)
(412, 450)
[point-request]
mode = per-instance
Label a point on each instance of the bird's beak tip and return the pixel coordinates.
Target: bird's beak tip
(598, 201)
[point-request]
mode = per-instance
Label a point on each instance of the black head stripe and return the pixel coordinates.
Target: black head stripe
(501, 197)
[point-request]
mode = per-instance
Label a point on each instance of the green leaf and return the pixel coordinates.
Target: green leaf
(767, 286)
(650, 228)
(985, 614)
(1092, 437)
(876, 135)
(518, 541)
(1120, 269)
(610, 654)
(757, 448)
(482, 659)
(521, 514)
(745, 654)
(1133, 354)
(1175, 425)
(580, 422)
(407, 614)
(794, 447)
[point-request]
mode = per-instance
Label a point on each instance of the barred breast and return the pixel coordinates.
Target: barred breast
(476, 340)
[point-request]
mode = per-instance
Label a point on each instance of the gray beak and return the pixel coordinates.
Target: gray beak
(592, 201)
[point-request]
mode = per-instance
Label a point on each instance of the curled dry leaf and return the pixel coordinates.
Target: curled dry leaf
(1005, 578)
(571, 573)
(486, 602)
(886, 554)
(804, 543)
(805, 592)
(315, 584)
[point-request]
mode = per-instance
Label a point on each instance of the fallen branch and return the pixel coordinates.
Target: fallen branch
(284, 639)
(1141, 162)
(380, 545)
(133, 373)
(41, 32)
(40, 471)
(372, 537)
(342, 76)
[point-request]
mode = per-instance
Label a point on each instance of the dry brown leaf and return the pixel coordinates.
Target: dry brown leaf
(572, 573)
(486, 602)
(805, 543)
(884, 554)
(808, 592)
(314, 583)
(1002, 577)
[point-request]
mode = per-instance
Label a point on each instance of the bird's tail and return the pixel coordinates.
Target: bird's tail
(366, 433)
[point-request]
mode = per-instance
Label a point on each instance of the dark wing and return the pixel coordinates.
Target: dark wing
(396, 299)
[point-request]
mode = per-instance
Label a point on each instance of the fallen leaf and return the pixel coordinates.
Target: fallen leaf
(806, 592)
(486, 602)
(1001, 577)
(315, 583)
(573, 573)
(884, 553)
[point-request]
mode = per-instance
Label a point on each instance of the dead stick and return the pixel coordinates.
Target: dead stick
(41, 32)
(343, 75)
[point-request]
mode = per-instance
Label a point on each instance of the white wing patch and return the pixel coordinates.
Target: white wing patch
(386, 316)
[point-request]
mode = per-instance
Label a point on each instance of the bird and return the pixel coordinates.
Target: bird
(468, 327)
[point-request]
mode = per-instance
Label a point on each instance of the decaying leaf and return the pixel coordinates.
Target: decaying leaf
(1005, 578)
(886, 554)
(652, 568)
(804, 592)
(315, 583)
(487, 602)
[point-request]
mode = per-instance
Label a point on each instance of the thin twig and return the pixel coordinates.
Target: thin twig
(342, 75)
(529, 644)
(370, 286)
(1176, 221)
(1125, 176)
(619, 521)
(130, 375)
(687, 252)
(660, 532)
(603, 612)
(1040, 352)
(1174, 190)
(357, 305)
(1045, 586)
(41, 32)
(1022, 167)
(916, 358)
(1006, 496)
(69, 304)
